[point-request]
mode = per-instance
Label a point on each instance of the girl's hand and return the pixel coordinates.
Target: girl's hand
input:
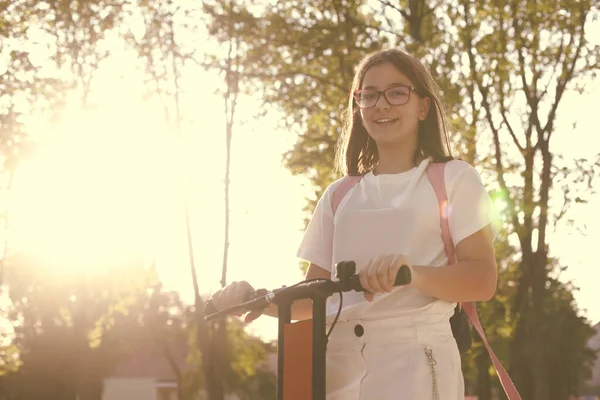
(234, 294)
(379, 274)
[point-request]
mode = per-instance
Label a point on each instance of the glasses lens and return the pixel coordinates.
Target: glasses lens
(366, 98)
(397, 96)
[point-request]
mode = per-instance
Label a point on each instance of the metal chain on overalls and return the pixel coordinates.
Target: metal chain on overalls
(432, 362)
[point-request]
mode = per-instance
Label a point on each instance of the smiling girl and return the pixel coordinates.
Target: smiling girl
(396, 343)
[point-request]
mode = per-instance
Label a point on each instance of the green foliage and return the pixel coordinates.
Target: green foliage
(498, 322)
(25, 89)
(246, 372)
(568, 362)
(56, 319)
(509, 46)
(61, 323)
(303, 57)
(249, 375)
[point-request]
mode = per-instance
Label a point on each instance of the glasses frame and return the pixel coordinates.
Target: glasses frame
(383, 92)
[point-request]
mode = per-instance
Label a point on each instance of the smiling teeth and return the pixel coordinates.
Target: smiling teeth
(384, 120)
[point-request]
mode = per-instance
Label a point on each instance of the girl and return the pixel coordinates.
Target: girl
(395, 343)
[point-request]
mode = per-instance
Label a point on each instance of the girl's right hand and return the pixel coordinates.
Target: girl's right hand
(233, 294)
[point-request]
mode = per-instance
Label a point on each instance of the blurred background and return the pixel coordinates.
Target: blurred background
(153, 151)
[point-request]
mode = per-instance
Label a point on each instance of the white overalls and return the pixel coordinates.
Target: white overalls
(391, 359)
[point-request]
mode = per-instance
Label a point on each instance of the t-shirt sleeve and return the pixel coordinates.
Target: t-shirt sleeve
(470, 206)
(317, 244)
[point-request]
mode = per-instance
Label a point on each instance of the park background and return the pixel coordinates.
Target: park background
(153, 150)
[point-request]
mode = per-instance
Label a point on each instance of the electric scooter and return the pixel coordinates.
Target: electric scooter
(318, 290)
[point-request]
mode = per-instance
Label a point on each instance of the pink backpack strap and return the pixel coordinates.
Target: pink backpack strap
(435, 173)
(507, 383)
(348, 182)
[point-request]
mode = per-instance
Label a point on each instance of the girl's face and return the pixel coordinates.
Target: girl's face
(390, 108)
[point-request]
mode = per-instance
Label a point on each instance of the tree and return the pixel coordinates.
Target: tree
(61, 323)
(162, 51)
(27, 89)
(82, 314)
(525, 38)
(498, 323)
(166, 321)
(77, 32)
(31, 86)
(228, 65)
(310, 53)
(247, 373)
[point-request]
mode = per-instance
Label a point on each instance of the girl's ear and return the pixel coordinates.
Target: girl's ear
(424, 106)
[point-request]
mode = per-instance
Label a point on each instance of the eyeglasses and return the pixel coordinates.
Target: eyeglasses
(395, 96)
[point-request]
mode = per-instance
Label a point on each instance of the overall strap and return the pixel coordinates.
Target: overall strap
(436, 175)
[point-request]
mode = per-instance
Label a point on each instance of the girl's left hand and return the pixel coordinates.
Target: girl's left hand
(379, 274)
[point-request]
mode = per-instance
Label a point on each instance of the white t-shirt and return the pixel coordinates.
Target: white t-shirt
(395, 214)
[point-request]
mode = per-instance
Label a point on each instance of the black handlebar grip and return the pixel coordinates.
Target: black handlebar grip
(403, 277)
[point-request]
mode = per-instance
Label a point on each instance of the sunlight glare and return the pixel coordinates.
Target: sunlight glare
(500, 205)
(87, 199)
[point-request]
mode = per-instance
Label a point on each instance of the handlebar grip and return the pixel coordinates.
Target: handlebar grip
(403, 277)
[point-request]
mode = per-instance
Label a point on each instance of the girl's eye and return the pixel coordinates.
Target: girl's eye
(398, 92)
(368, 95)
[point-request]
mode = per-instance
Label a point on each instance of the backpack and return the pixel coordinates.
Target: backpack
(465, 314)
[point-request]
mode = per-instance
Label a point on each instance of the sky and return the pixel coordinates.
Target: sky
(108, 185)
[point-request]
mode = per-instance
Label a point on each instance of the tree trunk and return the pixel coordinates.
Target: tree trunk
(520, 364)
(226, 189)
(220, 342)
(540, 374)
(220, 355)
(213, 387)
(540, 384)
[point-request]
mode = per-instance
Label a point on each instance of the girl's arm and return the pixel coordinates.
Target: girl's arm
(472, 278)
